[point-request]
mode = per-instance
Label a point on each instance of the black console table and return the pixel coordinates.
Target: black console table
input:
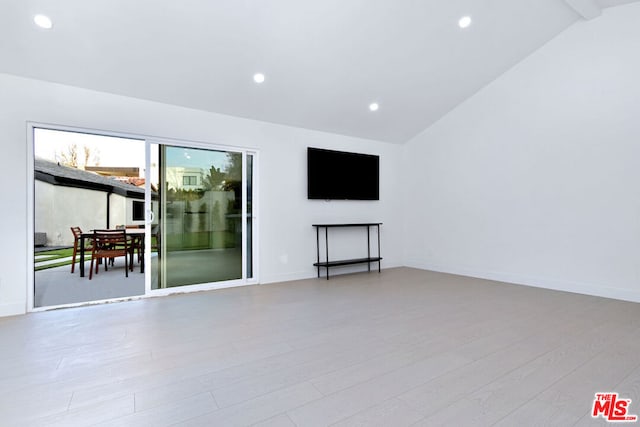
(338, 263)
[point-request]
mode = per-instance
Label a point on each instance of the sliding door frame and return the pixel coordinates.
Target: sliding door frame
(147, 139)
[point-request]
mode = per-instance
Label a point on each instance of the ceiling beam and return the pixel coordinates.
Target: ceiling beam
(588, 9)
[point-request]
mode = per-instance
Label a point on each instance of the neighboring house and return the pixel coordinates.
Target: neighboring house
(185, 178)
(67, 197)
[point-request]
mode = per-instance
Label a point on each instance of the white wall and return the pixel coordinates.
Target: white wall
(79, 207)
(536, 178)
(287, 240)
(119, 210)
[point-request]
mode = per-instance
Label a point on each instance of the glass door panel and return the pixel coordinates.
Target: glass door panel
(200, 233)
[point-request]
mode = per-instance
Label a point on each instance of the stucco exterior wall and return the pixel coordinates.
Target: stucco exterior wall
(59, 208)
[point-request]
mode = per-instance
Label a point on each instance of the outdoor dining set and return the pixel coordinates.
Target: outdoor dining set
(106, 245)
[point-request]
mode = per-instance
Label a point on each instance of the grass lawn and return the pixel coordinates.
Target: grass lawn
(60, 254)
(53, 255)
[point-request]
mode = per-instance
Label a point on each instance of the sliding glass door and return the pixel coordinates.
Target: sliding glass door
(190, 211)
(203, 230)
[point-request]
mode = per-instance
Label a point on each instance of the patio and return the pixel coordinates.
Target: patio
(57, 286)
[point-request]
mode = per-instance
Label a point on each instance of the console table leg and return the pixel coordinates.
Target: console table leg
(326, 246)
(369, 248)
(379, 256)
(318, 248)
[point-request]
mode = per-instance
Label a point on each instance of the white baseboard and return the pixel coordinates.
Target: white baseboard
(288, 277)
(13, 309)
(538, 282)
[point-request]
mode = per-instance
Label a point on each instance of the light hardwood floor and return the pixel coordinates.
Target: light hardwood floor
(405, 347)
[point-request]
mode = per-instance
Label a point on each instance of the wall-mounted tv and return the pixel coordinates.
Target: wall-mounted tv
(339, 175)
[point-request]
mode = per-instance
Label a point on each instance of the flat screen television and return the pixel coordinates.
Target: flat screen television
(339, 175)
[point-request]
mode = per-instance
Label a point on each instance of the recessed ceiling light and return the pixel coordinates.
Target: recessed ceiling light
(464, 22)
(43, 21)
(258, 77)
(374, 106)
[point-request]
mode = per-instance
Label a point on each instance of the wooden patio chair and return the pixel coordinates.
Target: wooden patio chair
(110, 244)
(77, 232)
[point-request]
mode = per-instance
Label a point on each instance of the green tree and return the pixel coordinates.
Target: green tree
(233, 181)
(214, 179)
(233, 167)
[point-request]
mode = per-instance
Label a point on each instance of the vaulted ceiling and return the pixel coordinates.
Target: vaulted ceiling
(324, 61)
